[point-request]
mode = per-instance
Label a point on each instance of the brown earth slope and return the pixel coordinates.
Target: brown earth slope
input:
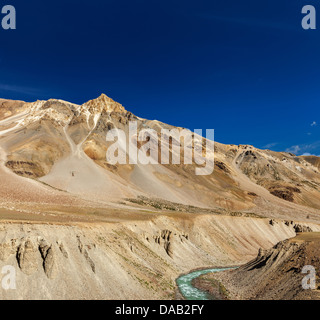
(63, 146)
(75, 226)
(137, 259)
(275, 274)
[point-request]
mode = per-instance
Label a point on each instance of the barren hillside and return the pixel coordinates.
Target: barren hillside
(76, 226)
(275, 274)
(60, 148)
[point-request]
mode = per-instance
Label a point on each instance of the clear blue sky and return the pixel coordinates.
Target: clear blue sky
(244, 68)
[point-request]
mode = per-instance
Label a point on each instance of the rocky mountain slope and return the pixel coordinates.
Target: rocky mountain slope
(75, 226)
(276, 273)
(60, 147)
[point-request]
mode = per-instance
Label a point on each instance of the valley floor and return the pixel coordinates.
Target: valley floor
(139, 258)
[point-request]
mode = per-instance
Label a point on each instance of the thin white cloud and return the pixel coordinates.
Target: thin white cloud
(293, 149)
(313, 124)
(270, 145)
(311, 148)
(20, 89)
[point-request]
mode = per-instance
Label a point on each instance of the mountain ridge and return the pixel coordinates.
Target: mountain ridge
(64, 146)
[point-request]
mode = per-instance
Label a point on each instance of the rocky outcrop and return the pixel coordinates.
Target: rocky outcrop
(272, 222)
(298, 228)
(276, 273)
(84, 251)
(284, 192)
(25, 168)
(31, 254)
(166, 238)
(222, 166)
(28, 257)
(49, 261)
(62, 249)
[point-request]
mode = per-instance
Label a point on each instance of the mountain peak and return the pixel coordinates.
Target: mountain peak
(103, 102)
